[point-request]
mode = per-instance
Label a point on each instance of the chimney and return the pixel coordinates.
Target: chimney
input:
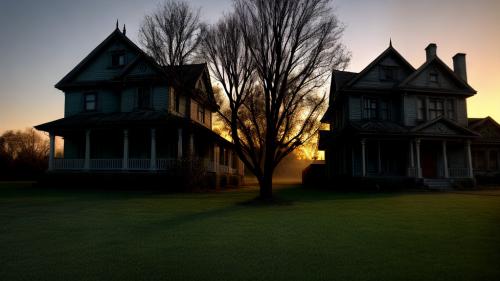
(459, 66)
(430, 51)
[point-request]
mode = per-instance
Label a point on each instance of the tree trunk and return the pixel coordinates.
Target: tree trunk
(266, 186)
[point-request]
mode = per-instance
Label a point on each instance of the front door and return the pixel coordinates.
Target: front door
(429, 164)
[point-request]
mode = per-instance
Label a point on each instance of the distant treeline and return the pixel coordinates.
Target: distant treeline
(23, 154)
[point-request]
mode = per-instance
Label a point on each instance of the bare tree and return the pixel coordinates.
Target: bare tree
(171, 34)
(271, 58)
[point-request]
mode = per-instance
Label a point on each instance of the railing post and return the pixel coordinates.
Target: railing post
(363, 157)
(469, 158)
(445, 161)
(152, 165)
(52, 138)
(417, 152)
(125, 150)
(86, 163)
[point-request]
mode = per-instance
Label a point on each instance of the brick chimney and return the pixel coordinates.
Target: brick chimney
(459, 66)
(430, 51)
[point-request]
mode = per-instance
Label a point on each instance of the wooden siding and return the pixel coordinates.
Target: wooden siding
(410, 110)
(461, 112)
(444, 82)
(100, 68)
(73, 103)
(355, 108)
(160, 98)
(372, 78)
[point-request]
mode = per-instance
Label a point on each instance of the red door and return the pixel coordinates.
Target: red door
(429, 164)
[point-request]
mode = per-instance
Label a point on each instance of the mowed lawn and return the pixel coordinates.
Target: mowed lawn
(317, 235)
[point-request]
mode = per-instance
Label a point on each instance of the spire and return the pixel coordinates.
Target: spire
(116, 23)
(124, 30)
(390, 42)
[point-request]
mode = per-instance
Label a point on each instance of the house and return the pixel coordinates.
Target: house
(392, 123)
(486, 150)
(125, 114)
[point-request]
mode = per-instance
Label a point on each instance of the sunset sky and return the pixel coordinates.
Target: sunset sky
(41, 41)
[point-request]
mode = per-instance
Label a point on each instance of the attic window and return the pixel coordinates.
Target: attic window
(118, 59)
(433, 77)
(388, 73)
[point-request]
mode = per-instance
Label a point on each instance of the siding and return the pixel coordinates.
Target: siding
(128, 99)
(354, 108)
(410, 110)
(108, 101)
(461, 111)
(73, 103)
(160, 98)
(422, 80)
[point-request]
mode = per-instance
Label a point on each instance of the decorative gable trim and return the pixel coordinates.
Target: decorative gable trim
(443, 127)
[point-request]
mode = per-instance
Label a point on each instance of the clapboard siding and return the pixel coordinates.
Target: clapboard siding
(73, 103)
(462, 111)
(444, 82)
(372, 78)
(100, 68)
(354, 108)
(160, 98)
(410, 110)
(108, 101)
(128, 99)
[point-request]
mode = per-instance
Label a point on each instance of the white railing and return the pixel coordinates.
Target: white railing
(106, 164)
(139, 164)
(143, 165)
(68, 164)
(458, 172)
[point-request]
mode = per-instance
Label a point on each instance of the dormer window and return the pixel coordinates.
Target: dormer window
(118, 59)
(388, 73)
(433, 77)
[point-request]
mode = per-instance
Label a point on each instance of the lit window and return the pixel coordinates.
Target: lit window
(370, 108)
(90, 101)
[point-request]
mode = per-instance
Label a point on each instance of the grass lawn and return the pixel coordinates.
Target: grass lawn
(104, 235)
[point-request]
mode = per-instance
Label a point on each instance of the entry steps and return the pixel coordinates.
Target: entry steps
(438, 184)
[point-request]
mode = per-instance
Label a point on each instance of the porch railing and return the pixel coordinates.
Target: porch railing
(142, 165)
(458, 172)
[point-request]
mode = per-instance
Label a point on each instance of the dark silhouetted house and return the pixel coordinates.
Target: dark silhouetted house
(124, 113)
(394, 123)
(486, 150)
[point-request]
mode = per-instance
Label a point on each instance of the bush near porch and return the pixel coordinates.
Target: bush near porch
(76, 234)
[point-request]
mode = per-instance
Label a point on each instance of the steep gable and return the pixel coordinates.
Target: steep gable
(444, 127)
(488, 128)
(97, 66)
(436, 75)
(386, 71)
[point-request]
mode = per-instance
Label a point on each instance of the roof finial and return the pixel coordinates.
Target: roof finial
(124, 30)
(116, 23)
(390, 42)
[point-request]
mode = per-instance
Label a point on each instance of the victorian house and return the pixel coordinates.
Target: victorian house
(125, 114)
(392, 122)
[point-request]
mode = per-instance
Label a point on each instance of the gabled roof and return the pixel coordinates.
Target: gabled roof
(390, 50)
(477, 122)
(443, 126)
(437, 61)
(115, 35)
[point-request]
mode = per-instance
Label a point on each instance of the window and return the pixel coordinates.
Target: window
(421, 109)
(433, 77)
(450, 109)
(384, 110)
(436, 108)
(90, 101)
(388, 73)
(144, 97)
(118, 59)
(493, 160)
(201, 113)
(370, 108)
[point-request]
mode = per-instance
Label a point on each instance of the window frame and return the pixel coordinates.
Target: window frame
(385, 69)
(201, 110)
(140, 104)
(451, 112)
(384, 111)
(434, 111)
(370, 105)
(118, 54)
(421, 109)
(86, 101)
(433, 74)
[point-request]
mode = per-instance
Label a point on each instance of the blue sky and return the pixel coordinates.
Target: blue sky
(43, 40)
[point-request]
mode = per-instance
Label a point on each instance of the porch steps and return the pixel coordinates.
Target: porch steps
(438, 184)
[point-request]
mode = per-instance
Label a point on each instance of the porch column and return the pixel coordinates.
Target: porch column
(179, 143)
(191, 145)
(445, 161)
(229, 159)
(412, 157)
(469, 159)
(52, 138)
(411, 160)
(417, 152)
(86, 163)
(363, 157)
(125, 150)
(379, 156)
(152, 165)
(216, 158)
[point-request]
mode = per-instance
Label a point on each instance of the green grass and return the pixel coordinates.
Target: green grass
(103, 235)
